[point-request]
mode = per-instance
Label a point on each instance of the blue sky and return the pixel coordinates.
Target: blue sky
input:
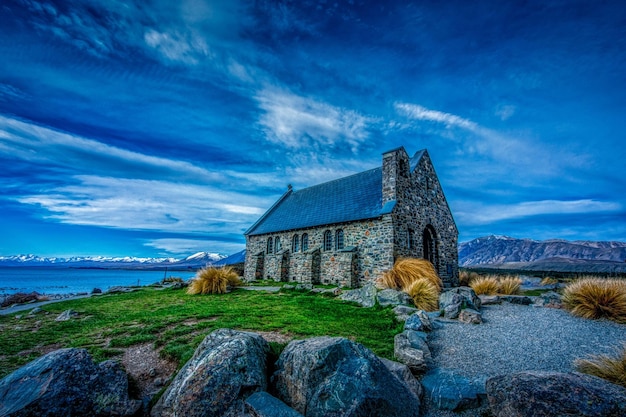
(162, 128)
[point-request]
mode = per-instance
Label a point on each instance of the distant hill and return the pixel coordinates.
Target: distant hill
(197, 260)
(546, 255)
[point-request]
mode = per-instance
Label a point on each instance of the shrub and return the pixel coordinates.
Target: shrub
(509, 285)
(425, 294)
(464, 278)
(611, 368)
(595, 298)
(485, 285)
(549, 281)
(408, 270)
(213, 281)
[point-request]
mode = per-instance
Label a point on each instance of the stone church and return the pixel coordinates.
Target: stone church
(349, 231)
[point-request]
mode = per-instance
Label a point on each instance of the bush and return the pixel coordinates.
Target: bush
(613, 369)
(213, 281)
(485, 285)
(595, 298)
(509, 285)
(408, 270)
(425, 294)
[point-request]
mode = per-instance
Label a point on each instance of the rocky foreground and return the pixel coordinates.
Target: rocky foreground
(234, 373)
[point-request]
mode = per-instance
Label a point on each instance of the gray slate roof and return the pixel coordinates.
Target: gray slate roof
(357, 197)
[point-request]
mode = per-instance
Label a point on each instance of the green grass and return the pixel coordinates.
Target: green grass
(177, 322)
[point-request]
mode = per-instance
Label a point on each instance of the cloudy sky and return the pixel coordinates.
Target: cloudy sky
(162, 128)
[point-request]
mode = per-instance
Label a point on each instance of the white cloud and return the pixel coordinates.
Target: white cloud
(191, 246)
(472, 213)
(186, 48)
(415, 111)
(299, 122)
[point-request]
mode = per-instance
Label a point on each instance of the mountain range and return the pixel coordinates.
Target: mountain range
(543, 255)
(197, 260)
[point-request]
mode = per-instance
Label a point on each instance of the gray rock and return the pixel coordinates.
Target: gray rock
(413, 357)
(317, 290)
(365, 296)
(418, 321)
(67, 382)
(66, 315)
(391, 297)
(262, 404)
(289, 287)
(534, 394)
(334, 291)
(449, 391)
(404, 375)
(486, 300)
(326, 376)
(457, 299)
(34, 311)
(550, 299)
(470, 316)
(304, 287)
(403, 312)
(517, 299)
(225, 369)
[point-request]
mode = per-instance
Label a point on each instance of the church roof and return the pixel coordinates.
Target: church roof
(357, 197)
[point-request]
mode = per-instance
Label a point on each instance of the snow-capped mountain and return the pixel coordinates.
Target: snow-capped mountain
(552, 254)
(199, 259)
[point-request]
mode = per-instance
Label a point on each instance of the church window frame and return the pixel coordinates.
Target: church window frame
(328, 240)
(277, 244)
(339, 239)
(295, 243)
(270, 245)
(305, 242)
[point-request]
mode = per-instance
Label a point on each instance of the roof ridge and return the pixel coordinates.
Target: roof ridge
(337, 179)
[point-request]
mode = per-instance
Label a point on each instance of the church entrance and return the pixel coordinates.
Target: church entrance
(429, 243)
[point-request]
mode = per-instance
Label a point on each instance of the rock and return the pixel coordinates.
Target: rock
(289, 287)
(486, 300)
(334, 291)
(304, 287)
(403, 373)
(332, 376)
(365, 296)
(119, 289)
(411, 350)
(517, 299)
(418, 321)
(66, 315)
(391, 297)
(20, 298)
(225, 369)
(66, 382)
(262, 404)
(35, 311)
(317, 290)
(530, 394)
(449, 391)
(457, 299)
(550, 299)
(96, 291)
(403, 312)
(470, 316)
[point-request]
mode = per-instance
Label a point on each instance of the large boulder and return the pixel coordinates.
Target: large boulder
(66, 382)
(418, 321)
(225, 369)
(403, 312)
(534, 394)
(451, 391)
(365, 296)
(332, 376)
(411, 349)
(262, 404)
(457, 299)
(391, 297)
(470, 316)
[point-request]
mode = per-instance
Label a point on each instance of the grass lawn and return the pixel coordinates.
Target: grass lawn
(177, 322)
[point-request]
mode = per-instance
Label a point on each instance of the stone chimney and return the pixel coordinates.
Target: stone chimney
(395, 168)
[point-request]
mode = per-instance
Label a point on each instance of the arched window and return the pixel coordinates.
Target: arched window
(277, 244)
(295, 243)
(328, 240)
(429, 242)
(270, 245)
(339, 239)
(305, 242)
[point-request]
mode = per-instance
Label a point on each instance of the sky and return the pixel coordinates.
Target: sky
(163, 128)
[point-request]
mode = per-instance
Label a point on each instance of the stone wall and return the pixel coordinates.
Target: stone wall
(421, 205)
(367, 253)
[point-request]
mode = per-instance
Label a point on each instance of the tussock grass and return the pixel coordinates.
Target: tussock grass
(213, 281)
(548, 281)
(425, 294)
(488, 285)
(611, 368)
(509, 285)
(595, 298)
(408, 270)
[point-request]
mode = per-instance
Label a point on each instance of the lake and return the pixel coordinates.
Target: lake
(73, 280)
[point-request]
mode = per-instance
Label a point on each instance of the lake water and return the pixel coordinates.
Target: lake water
(69, 280)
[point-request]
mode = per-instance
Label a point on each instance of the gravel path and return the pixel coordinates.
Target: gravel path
(516, 338)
